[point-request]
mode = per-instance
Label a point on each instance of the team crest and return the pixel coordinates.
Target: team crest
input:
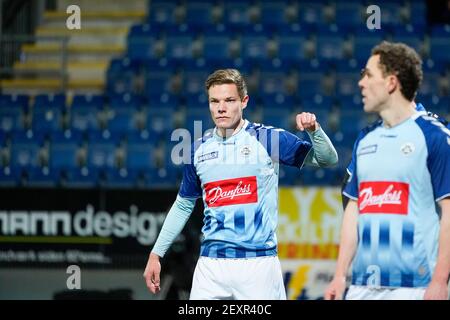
(407, 148)
(245, 151)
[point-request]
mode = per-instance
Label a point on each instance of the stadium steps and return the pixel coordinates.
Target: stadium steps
(48, 85)
(102, 37)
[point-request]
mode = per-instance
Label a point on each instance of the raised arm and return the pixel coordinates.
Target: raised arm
(323, 153)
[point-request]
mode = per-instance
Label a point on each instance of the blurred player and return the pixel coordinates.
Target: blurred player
(398, 245)
(351, 165)
(235, 171)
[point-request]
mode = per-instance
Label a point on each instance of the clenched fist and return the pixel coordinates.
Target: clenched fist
(306, 121)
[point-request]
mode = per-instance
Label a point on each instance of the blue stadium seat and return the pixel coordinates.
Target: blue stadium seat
(320, 105)
(310, 84)
(197, 101)
(122, 120)
(140, 156)
(352, 121)
(347, 83)
(194, 82)
(179, 46)
(273, 14)
(82, 178)
(418, 14)
(350, 102)
(330, 46)
(311, 13)
(289, 176)
(364, 41)
(44, 101)
(11, 118)
(142, 47)
(349, 14)
(197, 122)
(88, 101)
(120, 178)
(25, 153)
(160, 121)
(161, 178)
(158, 82)
(291, 48)
(47, 119)
(14, 100)
(439, 43)
(84, 118)
(163, 100)
(126, 100)
(42, 177)
(279, 118)
(409, 35)
(318, 176)
(272, 83)
(390, 15)
(63, 151)
(10, 176)
(216, 46)
(236, 14)
(429, 83)
(101, 153)
(198, 14)
(254, 47)
(162, 13)
(435, 103)
(278, 101)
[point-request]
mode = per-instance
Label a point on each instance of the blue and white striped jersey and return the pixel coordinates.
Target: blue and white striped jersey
(398, 174)
(237, 178)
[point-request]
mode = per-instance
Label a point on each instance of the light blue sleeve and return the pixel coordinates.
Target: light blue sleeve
(173, 224)
(323, 153)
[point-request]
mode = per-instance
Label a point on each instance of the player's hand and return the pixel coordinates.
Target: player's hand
(152, 272)
(335, 290)
(436, 291)
(306, 121)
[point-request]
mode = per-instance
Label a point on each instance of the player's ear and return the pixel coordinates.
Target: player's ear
(393, 83)
(245, 101)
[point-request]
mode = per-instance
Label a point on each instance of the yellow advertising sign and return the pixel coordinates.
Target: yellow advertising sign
(309, 223)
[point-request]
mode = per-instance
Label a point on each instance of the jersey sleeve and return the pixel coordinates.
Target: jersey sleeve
(438, 161)
(190, 185)
(292, 149)
(351, 187)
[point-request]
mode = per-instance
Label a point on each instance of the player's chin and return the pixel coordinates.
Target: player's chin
(222, 123)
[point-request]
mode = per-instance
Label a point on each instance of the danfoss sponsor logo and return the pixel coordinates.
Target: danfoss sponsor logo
(383, 197)
(231, 191)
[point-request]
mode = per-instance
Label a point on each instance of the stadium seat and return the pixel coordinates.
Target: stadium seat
(11, 118)
(162, 13)
(42, 177)
(199, 14)
(81, 178)
(273, 14)
(47, 119)
(43, 101)
(10, 177)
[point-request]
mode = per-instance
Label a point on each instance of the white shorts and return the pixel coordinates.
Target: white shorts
(238, 279)
(371, 293)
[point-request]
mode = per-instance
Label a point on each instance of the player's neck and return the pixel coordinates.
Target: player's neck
(229, 132)
(397, 112)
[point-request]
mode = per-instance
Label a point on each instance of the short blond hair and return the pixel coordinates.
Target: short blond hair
(227, 76)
